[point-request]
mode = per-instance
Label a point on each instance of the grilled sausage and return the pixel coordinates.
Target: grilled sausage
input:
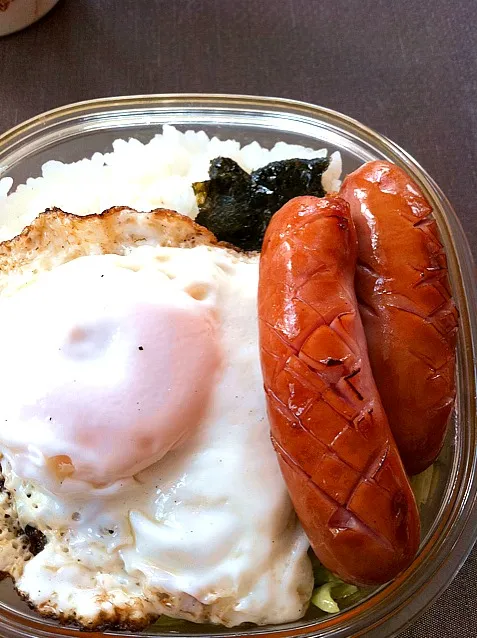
(405, 302)
(328, 427)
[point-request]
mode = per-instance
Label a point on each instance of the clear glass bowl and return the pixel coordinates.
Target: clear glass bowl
(448, 518)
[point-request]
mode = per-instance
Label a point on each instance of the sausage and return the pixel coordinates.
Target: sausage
(334, 446)
(405, 301)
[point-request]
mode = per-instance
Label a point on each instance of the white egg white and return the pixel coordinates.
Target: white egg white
(207, 533)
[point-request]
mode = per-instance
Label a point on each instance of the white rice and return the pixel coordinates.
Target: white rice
(158, 174)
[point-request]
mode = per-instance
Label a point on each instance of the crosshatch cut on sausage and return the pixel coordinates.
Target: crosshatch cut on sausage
(328, 427)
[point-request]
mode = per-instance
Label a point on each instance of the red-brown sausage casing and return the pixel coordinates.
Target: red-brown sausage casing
(405, 302)
(333, 442)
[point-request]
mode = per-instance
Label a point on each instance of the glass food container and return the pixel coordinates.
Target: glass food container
(448, 517)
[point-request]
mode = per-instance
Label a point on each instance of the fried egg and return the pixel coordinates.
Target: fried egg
(133, 428)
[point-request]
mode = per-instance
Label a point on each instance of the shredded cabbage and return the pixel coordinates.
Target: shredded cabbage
(165, 621)
(329, 589)
(422, 484)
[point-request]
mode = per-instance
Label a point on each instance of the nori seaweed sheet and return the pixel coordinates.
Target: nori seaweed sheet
(237, 206)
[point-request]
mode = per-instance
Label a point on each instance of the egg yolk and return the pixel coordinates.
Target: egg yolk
(116, 367)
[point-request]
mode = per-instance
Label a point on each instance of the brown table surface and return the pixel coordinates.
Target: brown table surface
(407, 68)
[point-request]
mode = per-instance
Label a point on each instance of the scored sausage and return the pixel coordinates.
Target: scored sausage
(408, 314)
(334, 446)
